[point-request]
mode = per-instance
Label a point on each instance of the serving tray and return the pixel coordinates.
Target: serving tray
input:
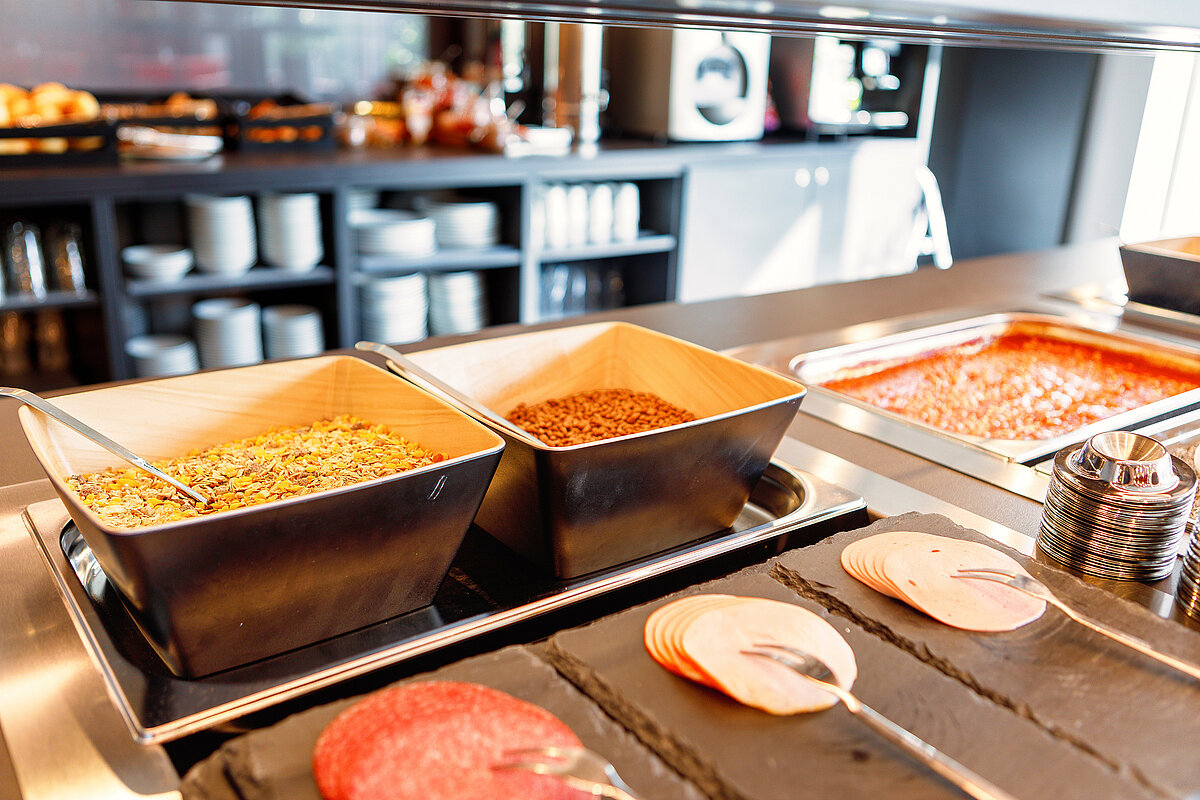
(489, 589)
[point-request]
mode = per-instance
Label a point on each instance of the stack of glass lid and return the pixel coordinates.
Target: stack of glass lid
(1117, 507)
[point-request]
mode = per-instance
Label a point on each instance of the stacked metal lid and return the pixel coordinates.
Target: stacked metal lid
(1117, 507)
(1187, 593)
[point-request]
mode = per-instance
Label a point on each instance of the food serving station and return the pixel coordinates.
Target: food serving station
(95, 701)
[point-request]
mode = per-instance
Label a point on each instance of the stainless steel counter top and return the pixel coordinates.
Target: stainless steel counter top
(52, 696)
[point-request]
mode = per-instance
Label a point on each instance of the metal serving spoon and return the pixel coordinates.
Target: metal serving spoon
(85, 430)
(405, 366)
(819, 674)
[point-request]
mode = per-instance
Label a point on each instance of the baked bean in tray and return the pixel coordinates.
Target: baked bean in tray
(592, 416)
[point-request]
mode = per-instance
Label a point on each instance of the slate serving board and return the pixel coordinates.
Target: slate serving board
(732, 751)
(1137, 717)
(275, 763)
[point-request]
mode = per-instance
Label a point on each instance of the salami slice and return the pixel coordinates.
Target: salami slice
(437, 740)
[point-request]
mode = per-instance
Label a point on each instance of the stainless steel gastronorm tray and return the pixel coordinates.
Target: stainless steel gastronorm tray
(815, 367)
(489, 588)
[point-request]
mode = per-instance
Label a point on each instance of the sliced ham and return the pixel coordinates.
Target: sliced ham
(917, 568)
(701, 637)
(715, 641)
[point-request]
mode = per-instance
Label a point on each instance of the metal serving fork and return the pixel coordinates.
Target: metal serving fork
(817, 672)
(577, 767)
(1035, 588)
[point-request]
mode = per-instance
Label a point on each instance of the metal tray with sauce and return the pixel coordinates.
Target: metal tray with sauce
(817, 367)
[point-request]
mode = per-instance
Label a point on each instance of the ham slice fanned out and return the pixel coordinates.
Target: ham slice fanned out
(918, 569)
(701, 637)
(437, 740)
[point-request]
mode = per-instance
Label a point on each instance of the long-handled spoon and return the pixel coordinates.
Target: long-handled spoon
(405, 366)
(85, 430)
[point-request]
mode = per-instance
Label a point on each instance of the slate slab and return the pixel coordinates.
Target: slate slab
(1137, 716)
(275, 763)
(732, 751)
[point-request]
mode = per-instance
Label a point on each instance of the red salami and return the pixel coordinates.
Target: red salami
(437, 740)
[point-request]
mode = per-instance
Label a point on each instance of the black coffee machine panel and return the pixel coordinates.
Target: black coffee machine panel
(825, 85)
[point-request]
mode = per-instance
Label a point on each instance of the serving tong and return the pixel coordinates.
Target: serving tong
(1035, 588)
(88, 432)
(817, 672)
(407, 368)
(577, 767)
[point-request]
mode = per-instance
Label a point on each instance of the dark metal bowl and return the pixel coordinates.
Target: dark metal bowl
(229, 588)
(578, 509)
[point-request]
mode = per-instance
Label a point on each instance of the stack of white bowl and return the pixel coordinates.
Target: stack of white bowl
(228, 331)
(292, 331)
(162, 354)
(222, 233)
(394, 233)
(456, 302)
(463, 223)
(394, 309)
(157, 262)
(291, 230)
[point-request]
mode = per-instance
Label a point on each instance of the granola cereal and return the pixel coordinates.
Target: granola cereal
(281, 463)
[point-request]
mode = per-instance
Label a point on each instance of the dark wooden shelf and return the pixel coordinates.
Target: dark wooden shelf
(447, 260)
(260, 277)
(50, 301)
(645, 243)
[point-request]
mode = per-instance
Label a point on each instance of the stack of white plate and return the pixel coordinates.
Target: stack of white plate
(394, 309)
(222, 233)
(157, 262)
(463, 223)
(456, 302)
(292, 331)
(228, 331)
(291, 230)
(395, 233)
(162, 354)
(360, 199)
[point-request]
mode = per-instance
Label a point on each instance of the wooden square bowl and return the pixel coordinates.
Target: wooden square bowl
(592, 506)
(228, 588)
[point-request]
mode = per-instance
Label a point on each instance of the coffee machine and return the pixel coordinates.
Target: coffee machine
(687, 85)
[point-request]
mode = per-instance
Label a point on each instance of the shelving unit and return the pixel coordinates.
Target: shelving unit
(139, 203)
(135, 203)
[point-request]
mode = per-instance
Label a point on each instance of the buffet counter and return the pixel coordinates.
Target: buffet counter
(66, 739)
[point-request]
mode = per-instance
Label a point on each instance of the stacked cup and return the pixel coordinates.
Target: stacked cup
(222, 233)
(456, 302)
(394, 309)
(292, 331)
(228, 331)
(291, 231)
(162, 354)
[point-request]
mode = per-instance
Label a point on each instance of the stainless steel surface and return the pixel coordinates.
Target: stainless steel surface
(63, 734)
(156, 707)
(816, 671)
(87, 431)
(1062, 24)
(818, 367)
(1035, 588)
(404, 366)
(577, 767)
